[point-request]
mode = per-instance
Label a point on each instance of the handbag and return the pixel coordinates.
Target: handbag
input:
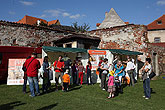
(24, 67)
(152, 75)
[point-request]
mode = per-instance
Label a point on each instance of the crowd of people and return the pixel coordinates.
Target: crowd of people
(113, 76)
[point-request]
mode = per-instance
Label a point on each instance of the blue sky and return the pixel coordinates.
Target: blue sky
(83, 11)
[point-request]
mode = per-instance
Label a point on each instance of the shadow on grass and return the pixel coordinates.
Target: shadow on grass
(53, 89)
(10, 106)
(75, 88)
(48, 107)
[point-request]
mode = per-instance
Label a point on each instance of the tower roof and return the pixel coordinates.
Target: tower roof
(157, 24)
(112, 19)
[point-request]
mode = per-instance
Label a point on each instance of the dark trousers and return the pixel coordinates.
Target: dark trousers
(65, 86)
(89, 76)
(131, 75)
(44, 87)
(100, 72)
(74, 76)
(103, 81)
(146, 86)
(24, 85)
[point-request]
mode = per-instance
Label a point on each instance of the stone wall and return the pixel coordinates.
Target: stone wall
(134, 38)
(13, 34)
(129, 37)
(160, 54)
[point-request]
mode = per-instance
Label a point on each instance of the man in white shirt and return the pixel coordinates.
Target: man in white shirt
(129, 69)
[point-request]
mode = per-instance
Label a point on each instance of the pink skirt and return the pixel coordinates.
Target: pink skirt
(111, 89)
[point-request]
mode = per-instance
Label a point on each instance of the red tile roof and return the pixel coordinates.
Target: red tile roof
(155, 25)
(126, 22)
(158, 44)
(98, 24)
(33, 20)
(53, 22)
(30, 20)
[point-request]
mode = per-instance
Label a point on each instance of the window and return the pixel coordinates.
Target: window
(157, 39)
(159, 22)
(68, 45)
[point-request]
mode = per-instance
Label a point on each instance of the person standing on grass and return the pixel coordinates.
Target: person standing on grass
(99, 65)
(111, 86)
(88, 72)
(25, 77)
(32, 66)
(45, 76)
(146, 71)
(129, 69)
(74, 72)
(66, 80)
(105, 68)
(80, 72)
(119, 71)
(58, 67)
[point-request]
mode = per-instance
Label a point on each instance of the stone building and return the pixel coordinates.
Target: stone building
(78, 41)
(156, 30)
(156, 45)
(112, 19)
(20, 40)
(115, 34)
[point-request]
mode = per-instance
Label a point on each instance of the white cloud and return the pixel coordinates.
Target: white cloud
(60, 12)
(53, 13)
(27, 3)
(65, 14)
(75, 16)
(42, 16)
(11, 12)
(161, 2)
(83, 15)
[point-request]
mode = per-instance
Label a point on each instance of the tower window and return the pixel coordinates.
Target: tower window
(159, 22)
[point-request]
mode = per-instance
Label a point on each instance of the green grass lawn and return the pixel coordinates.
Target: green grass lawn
(85, 98)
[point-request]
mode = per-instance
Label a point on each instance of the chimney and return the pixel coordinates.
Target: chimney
(38, 22)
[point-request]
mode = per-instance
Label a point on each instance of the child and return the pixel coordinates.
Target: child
(88, 72)
(66, 80)
(111, 87)
(80, 72)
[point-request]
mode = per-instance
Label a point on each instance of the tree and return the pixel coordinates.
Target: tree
(43, 24)
(83, 28)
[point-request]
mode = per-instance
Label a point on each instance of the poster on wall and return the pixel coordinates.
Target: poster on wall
(94, 57)
(15, 72)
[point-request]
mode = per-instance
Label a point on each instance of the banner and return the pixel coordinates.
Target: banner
(15, 72)
(94, 57)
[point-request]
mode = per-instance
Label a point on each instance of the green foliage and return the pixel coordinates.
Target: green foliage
(43, 24)
(83, 28)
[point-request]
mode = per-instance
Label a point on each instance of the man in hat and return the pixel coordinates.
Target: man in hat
(32, 65)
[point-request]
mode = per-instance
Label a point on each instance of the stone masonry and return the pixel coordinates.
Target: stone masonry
(129, 37)
(14, 34)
